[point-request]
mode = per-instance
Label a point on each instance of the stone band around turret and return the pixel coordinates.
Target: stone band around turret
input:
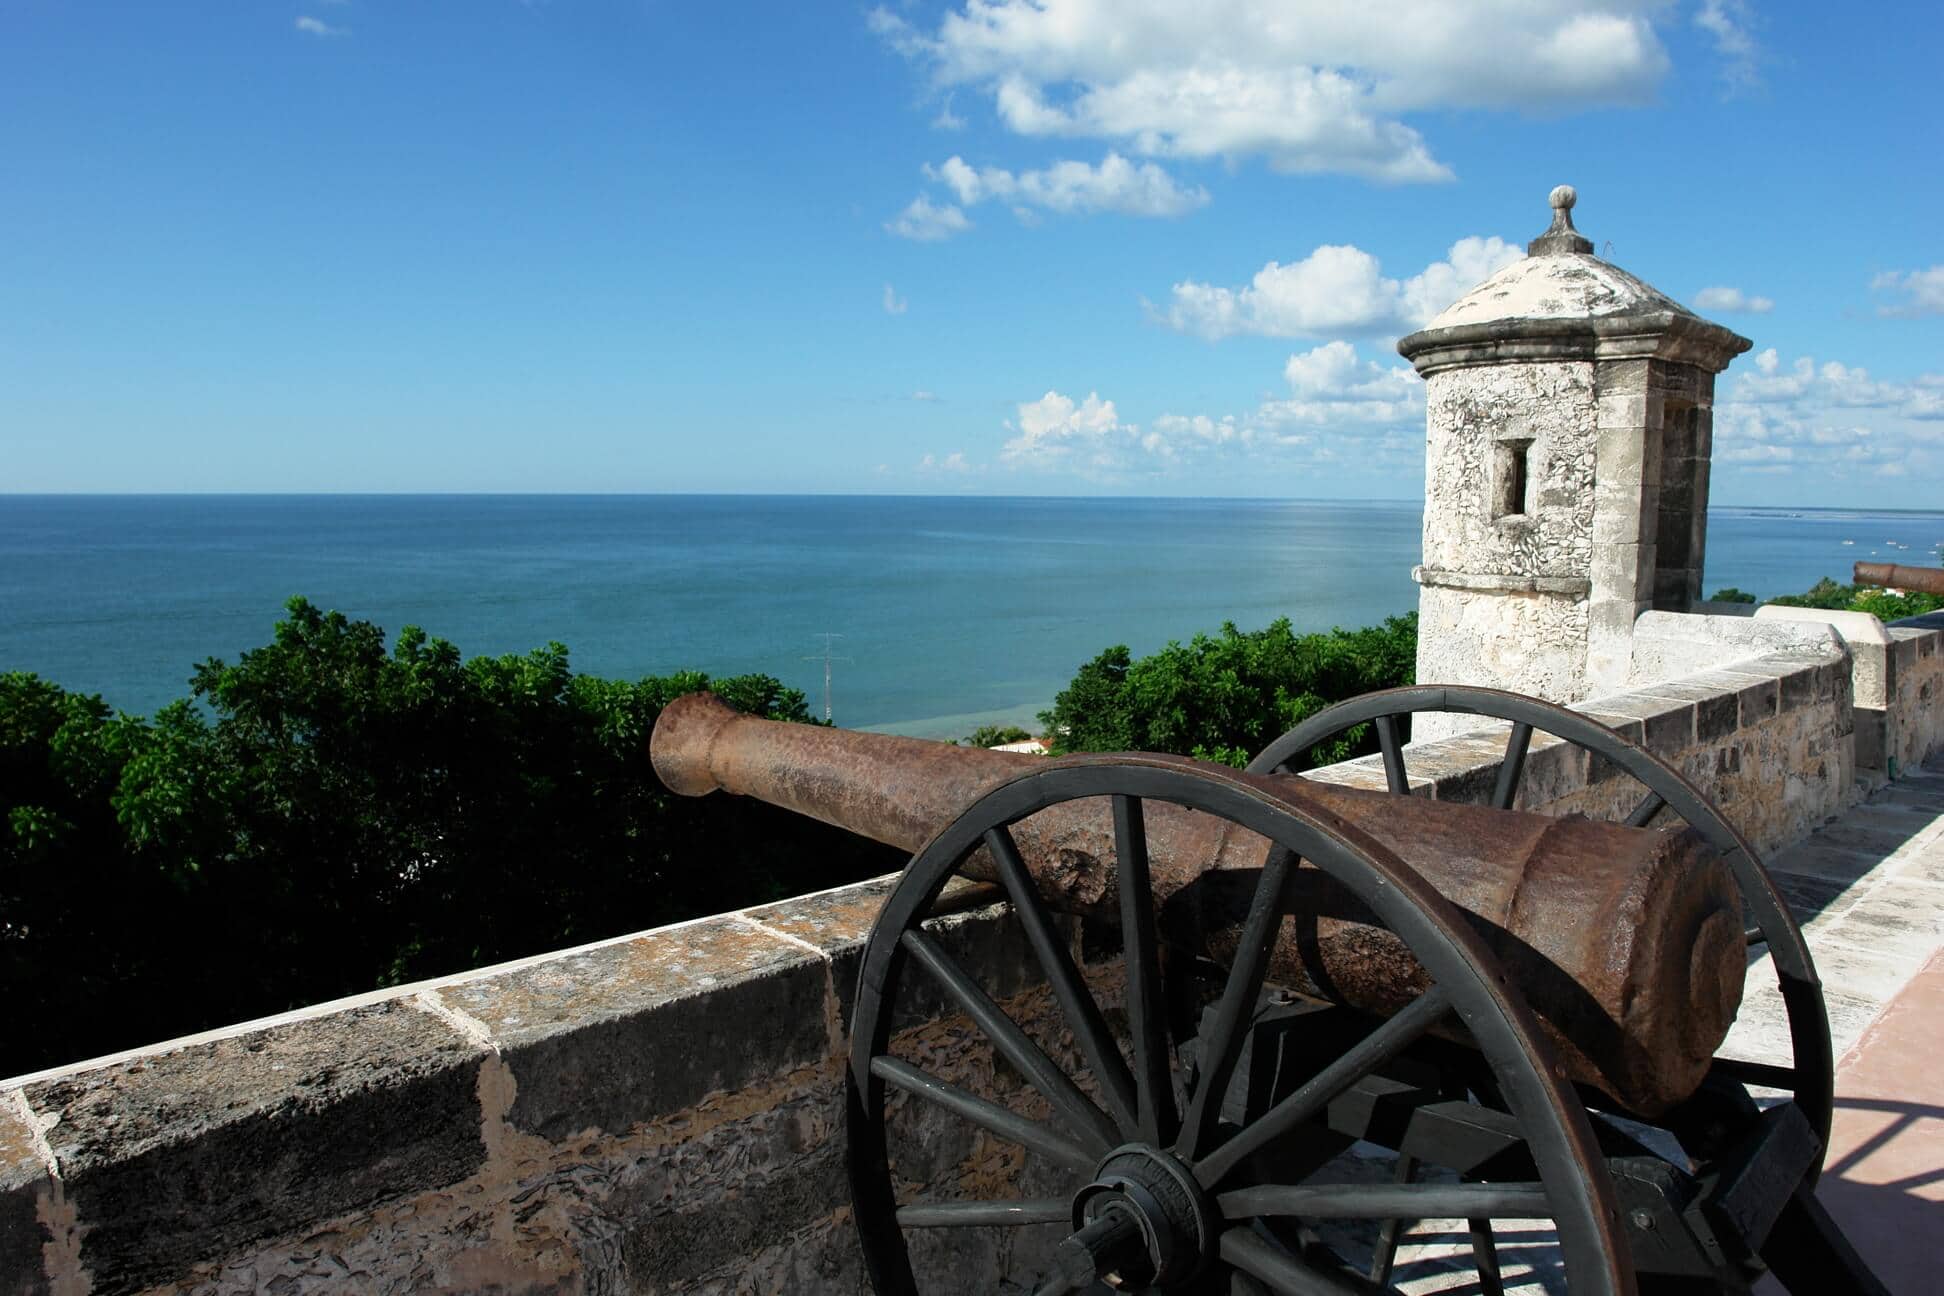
(1503, 582)
(1661, 335)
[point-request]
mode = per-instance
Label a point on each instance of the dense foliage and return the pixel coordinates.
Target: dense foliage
(1880, 603)
(994, 736)
(330, 816)
(1226, 696)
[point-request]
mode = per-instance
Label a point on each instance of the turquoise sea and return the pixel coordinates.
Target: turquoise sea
(952, 612)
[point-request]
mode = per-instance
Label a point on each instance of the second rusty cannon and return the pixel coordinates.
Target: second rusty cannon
(1586, 964)
(1912, 580)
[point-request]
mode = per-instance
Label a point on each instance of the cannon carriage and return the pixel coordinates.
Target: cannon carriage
(1253, 975)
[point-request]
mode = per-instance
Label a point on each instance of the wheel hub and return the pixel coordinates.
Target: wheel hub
(1143, 1217)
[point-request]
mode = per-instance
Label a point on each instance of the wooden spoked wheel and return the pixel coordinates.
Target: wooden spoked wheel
(1661, 797)
(1145, 1184)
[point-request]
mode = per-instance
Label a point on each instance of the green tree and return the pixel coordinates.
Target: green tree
(338, 815)
(994, 736)
(1226, 696)
(1881, 603)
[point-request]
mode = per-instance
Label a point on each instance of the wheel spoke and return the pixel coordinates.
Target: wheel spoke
(1394, 774)
(987, 1115)
(1516, 745)
(1076, 1001)
(1261, 1259)
(1086, 1119)
(1146, 1009)
(1223, 1044)
(1369, 1053)
(1485, 1257)
(1650, 805)
(1754, 936)
(1764, 1074)
(1383, 1256)
(978, 1214)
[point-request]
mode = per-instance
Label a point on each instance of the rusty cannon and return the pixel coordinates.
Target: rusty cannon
(1525, 1010)
(1915, 580)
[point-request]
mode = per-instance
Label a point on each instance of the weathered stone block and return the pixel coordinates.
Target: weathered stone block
(612, 1036)
(175, 1157)
(1627, 726)
(1872, 737)
(1666, 723)
(836, 922)
(1367, 772)
(1717, 710)
(1624, 515)
(23, 1184)
(1613, 376)
(1797, 689)
(1904, 651)
(667, 1243)
(1463, 768)
(1623, 571)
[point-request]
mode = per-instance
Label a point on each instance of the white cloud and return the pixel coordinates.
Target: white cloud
(1071, 187)
(1054, 431)
(1830, 418)
(922, 395)
(1922, 292)
(947, 119)
(1337, 289)
(1319, 87)
(1340, 408)
(894, 304)
(954, 463)
(1731, 300)
(927, 223)
(1731, 24)
(317, 27)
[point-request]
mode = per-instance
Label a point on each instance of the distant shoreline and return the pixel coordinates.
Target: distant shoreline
(1765, 509)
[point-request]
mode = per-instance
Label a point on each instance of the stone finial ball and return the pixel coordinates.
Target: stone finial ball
(1563, 197)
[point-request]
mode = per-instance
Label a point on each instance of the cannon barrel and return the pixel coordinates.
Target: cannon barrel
(1918, 580)
(1625, 942)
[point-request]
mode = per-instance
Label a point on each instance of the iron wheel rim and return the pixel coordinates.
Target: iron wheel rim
(1578, 1194)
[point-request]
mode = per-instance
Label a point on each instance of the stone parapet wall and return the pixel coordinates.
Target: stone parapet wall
(1913, 694)
(661, 1112)
(1768, 738)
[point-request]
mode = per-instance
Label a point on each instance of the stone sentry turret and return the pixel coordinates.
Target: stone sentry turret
(1569, 424)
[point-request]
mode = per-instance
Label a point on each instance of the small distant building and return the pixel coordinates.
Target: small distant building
(1569, 429)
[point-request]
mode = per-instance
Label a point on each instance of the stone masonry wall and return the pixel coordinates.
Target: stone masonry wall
(1505, 595)
(1469, 412)
(1768, 738)
(663, 1112)
(658, 1113)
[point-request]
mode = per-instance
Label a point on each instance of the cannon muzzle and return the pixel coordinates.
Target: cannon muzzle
(1626, 942)
(1916, 580)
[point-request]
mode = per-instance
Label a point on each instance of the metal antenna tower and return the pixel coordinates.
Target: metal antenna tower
(826, 658)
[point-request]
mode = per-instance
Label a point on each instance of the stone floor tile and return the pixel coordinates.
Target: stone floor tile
(1761, 1029)
(1917, 800)
(1869, 830)
(1813, 859)
(1860, 971)
(1899, 919)
(1810, 897)
(1921, 866)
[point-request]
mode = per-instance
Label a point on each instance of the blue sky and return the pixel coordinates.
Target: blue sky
(999, 247)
